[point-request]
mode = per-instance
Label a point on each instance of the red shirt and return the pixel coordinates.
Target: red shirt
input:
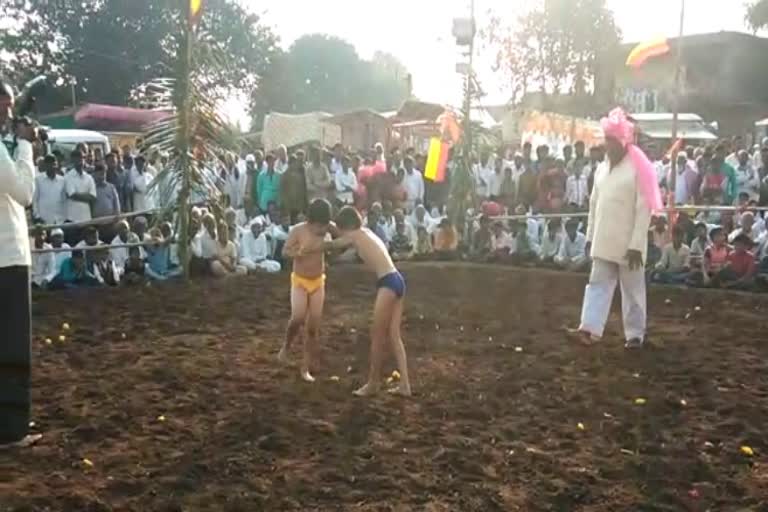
(742, 263)
(716, 257)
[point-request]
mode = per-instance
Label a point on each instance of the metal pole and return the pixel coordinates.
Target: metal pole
(468, 85)
(74, 95)
(676, 106)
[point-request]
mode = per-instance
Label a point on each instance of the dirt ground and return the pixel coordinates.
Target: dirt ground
(169, 399)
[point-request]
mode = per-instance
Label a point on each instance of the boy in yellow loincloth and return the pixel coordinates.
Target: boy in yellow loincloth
(307, 281)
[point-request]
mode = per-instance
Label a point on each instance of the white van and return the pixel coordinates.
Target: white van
(67, 140)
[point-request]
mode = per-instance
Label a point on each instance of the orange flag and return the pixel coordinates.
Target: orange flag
(644, 51)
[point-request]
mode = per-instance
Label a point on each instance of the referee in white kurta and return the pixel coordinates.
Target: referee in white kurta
(624, 194)
(17, 183)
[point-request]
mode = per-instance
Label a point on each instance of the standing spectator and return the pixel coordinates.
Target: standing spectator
(107, 203)
(625, 193)
(268, 185)
(281, 162)
(48, 203)
(413, 182)
(577, 189)
(508, 191)
(580, 160)
(255, 253)
(43, 268)
(495, 181)
(686, 182)
(235, 185)
(337, 165)
(251, 197)
(346, 182)
(118, 177)
(80, 190)
(318, 177)
(527, 188)
(293, 189)
(141, 179)
(572, 255)
(674, 266)
(727, 173)
(747, 178)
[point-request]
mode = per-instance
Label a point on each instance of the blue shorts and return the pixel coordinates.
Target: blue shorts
(394, 281)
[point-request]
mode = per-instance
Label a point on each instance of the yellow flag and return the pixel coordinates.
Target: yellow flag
(194, 7)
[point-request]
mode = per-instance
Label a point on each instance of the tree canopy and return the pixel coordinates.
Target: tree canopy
(321, 72)
(553, 47)
(108, 47)
(757, 14)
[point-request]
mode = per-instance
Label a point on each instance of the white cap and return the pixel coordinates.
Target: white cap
(250, 158)
(57, 232)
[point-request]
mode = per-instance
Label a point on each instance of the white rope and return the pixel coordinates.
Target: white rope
(581, 214)
(101, 247)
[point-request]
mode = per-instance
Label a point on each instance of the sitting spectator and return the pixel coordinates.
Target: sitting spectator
(446, 241)
(747, 227)
(375, 224)
(423, 249)
(255, 255)
(715, 258)
(43, 268)
(420, 218)
(235, 231)
(90, 239)
(400, 246)
(134, 268)
(502, 243)
(572, 255)
(225, 262)
(551, 242)
(524, 248)
(160, 265)
(659, 239)
(674, 267)
(204, 247)
(104, 269)
(124, 236)
(278, 233)
(740, 268)
(74, 273)
(481, 240)
(57, 242)
(699, 245)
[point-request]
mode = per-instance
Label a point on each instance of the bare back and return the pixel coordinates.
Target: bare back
(310, 265)
(372, 251)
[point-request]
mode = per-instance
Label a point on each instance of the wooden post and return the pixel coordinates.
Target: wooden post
(672, 184)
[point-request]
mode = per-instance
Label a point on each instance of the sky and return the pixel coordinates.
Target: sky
(418, 32)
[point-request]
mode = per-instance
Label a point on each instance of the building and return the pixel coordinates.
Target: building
(724, 78)
(361, 129)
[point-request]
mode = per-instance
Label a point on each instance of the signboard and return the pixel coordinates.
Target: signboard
(557, 131)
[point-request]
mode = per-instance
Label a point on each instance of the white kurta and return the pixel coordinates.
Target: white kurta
(619, 219)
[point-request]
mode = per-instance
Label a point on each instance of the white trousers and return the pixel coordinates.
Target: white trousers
(599, 294)
(264, 265)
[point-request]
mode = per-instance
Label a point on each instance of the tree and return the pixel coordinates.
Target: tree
(108, 47)
(321, 72)
(757, 14)
(554, 47)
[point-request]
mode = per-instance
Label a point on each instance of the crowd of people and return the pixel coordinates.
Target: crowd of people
(268, 193)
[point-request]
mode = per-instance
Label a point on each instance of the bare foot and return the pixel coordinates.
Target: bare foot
(306, 376)
(401, 390)
(367, 390)
(24, 443)
(583, 337)
(282, 356)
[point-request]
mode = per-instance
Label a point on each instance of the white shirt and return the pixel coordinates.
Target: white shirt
(120, 255)
(503, 241)
(495, 181)
(335, 167)
(76, 183)
(344, 180)
(49, 201)
(235, 188)
(748, 180)
(619, 216)
(576, 190)
(571, 250)
(17, 187)
(44, 267)
(413, 183)
(61, 256)
(140, 182)
(255, 249)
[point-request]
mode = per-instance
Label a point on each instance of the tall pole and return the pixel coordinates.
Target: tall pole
(676, 108)
(468, 85)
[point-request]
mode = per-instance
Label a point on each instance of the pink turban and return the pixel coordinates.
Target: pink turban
(617, 126)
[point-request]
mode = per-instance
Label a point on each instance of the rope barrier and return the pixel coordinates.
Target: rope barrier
(101, 247)
(583, 214)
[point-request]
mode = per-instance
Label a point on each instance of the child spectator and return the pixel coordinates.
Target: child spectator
(573, 254)
(400, 246)
(481, 240)
(715, 258)
(159, 255)
(699, 245)
(74, 273)
(674, 267)
(124, 236)
(134, 268)
(551, 242)
(446, 240)
(57, 242)
(104, 269)
(740, 268)
(524, 248)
